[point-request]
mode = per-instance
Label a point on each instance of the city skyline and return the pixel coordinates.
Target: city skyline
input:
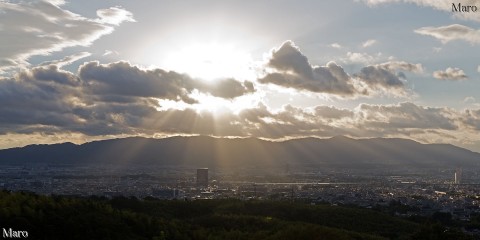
(77, 71)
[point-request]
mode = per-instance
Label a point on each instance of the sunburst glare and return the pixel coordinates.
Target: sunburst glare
(211, 61)
(216, 105)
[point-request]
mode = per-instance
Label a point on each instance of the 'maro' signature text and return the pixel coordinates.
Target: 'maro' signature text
(458, 7)
(10, 233)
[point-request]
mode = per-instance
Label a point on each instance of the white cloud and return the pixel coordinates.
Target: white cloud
(115, 15)
(336, 45)
(110, 52)
(363, 58)
(39, 28)
(451, 32)
(369, 43)
(450, 74)
(56, 2)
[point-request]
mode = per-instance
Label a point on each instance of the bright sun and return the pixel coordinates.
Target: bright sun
(211, 61)
(212, 104)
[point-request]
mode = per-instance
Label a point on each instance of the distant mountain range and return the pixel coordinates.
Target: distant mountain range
(204, 151)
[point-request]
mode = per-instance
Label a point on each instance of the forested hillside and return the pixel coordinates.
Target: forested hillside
(57, 217)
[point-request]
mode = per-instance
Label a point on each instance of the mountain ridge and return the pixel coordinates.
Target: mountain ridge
(199, 151)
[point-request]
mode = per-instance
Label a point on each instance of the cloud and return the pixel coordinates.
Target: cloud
(451, 32)
(471, 118)
(99, 100)
(124, 80)
(292, 69)
(56, 2)
(42, 98)
(330, 112)
(67, 60)
(444, 33)
(114, 15)
(110, 52)
(367, 120)
(51, 101)
(379, 76)
(402, 65)
(404, 119)
(330, 79)
(288, 58)
(363, 58)
(40, 27)
(51, 74)
(405, 116)
(369, 43)
(121, 79)
(121, 99)
(288, 67)
(387, 76)
(437, 5)
(336, 45)
(226, 88)
(450, 74)
(431, 3)
(469, 99)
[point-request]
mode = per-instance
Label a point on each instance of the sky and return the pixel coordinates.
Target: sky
(78, 71)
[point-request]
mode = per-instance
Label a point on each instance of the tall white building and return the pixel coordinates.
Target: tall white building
(458, 175)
